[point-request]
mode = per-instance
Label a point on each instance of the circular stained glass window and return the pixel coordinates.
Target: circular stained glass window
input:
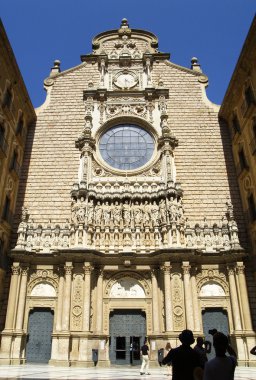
(126, 146)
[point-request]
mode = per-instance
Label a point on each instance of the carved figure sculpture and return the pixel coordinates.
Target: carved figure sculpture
(117, 214)
(126, 214)
(98, 213)
(137, 213)
(106, 214)
(90, 212)
(155, 214)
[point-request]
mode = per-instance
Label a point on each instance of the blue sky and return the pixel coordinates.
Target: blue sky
(41, 31)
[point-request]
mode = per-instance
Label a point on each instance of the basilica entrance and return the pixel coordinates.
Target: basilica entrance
(39, 343)
(127, 333)
(214, 318)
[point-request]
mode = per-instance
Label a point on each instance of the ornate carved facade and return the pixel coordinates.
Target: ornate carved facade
(134, 219)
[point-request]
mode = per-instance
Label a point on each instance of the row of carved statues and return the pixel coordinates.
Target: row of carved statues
(127, 213)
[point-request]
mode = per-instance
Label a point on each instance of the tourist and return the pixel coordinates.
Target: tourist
(145, 358)
(168, 347)
(222, 367)
(183, 358)
(202, 348)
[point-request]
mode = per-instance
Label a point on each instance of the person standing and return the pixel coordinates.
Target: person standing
(222, 367)
(202, 348)
(145, 358)
(168, 347)
(183, 358)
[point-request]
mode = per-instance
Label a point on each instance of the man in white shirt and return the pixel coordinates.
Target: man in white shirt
(222, 367)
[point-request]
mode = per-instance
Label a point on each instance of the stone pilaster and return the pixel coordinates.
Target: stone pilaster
(244, 297)
(234, 299)
(155, 302)
(67, 297)
(9, 323)
(60, 301)
(87, 297)
(99, 317)
(188, 295)
(168, 297)
(22, 298)
(197, 316)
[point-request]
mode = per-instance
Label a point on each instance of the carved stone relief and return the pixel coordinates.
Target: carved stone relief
(43, 289)
(77, 302)
(127, 285)
(178, 301)
(127, 288)
(211, 289)
(43, 276)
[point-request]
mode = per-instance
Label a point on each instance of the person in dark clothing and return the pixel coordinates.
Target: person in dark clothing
(202, 348)
(145, 358)
(184, 359)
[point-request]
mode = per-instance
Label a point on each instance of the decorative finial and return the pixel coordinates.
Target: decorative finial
(56, 68)
(124, 23)
(195, 65)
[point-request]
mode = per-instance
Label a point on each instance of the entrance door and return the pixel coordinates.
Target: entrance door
(214, 318)
(127, 333)
(39, 343)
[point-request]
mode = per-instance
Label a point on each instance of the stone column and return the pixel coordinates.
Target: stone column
(188, 296)
(60, 301)
(244, 296)
(234, 299)
(67, 297)
(99, 317)
(197, 314)
(87, 297)
(155, 302)
(22, 298)
(168, 297)
(9, 324)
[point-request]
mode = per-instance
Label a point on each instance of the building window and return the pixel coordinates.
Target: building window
(249, 96)
(253, 141)
(3, 144)
(6, 210)
(242, 165)
(126, 146)
(20, 126)
(251, 208)
(236, 125)
(15, 167)
(7, 99)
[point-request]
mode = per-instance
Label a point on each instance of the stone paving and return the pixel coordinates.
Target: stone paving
(50, 372)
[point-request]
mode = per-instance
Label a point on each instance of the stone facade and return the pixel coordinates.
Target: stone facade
(165, 238)
(238, 114)
(16, 116)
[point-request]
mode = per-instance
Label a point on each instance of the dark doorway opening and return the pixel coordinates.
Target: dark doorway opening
(39, 340)
(127, 333)
(214, 318)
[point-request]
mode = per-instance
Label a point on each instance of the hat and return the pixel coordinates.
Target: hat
(187, 337)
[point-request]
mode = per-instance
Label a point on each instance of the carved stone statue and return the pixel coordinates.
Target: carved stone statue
(98, 213)
(90, 212)
(162, 211)
(106, 214)
(155, 214)
(146, 214)
(137, 213)
(117, 214)
(126, 214)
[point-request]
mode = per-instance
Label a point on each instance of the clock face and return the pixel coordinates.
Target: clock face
(125, 80)
(126, 146)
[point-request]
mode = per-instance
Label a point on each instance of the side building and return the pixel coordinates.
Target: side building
(130, 222)
(16, 116)
(238, 112)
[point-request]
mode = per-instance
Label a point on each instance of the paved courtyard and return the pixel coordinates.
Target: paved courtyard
(49, 372)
